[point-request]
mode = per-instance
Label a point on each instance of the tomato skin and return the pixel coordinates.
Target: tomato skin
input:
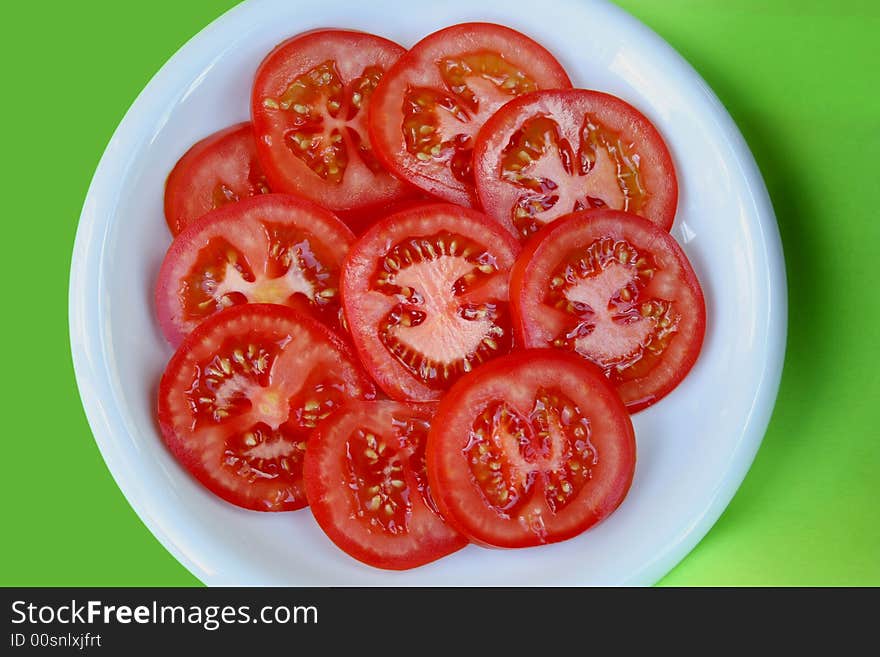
(362, 263)
(361, 221)
(174, 412)
(360, 188)
(514, 379)
(543, 251)
(227, 157)
(334, 504)
(568, 108)
(418, 68)
(239, 223)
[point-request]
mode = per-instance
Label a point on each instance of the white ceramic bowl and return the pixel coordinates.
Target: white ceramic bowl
(694, 447)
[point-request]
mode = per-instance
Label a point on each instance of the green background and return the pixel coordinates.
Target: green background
(799, 78)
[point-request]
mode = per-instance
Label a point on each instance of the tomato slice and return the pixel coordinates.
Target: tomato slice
(425, 295)
(309, 108)
(367, 486)
(218, 170)
(275, 248)
(551, 153)
(531, 448)
(617, 290)
(429, 107)
(241, 396)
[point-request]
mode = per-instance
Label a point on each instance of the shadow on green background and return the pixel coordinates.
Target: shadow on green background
(799, 78)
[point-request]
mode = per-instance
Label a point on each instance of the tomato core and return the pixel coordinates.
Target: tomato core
(431, 329)
(322, 112)
(558, 177)
(610, 320)
(514, 458)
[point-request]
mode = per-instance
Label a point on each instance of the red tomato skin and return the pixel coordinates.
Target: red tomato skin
(387, 145)
(166, 309)
(445, 494)
(184, 200)
(318, 488)
(661, 212)
(360, 221)
(177, 445)
(383, 189)
(557, 230)
(356, 268)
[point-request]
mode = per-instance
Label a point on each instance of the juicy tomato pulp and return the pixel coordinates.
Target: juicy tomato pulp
(218, 170)
(367, 486)
(429, 107)
(272, 249)
(617, 290)
(425, 295)
(309, 108)
(240, 398)
(532, 448)
(555, 152)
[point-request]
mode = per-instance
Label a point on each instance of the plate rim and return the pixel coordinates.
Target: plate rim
(93, 377)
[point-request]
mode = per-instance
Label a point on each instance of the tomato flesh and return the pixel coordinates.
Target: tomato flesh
(309, 108)
(425, 296)
(555, 152)
(241, 396)
(532, 448)
(220, 169)
(366, 480)
(271, 249)
(429, 107)
(618, 291)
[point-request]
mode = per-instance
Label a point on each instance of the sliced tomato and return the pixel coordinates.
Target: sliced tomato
(551, 153)
(617, 290)
(275, 248)
(531, 448)
(367, 486)
(425, 296)
(218, 170)
(241, 396)
(428, 108)
(309, 108)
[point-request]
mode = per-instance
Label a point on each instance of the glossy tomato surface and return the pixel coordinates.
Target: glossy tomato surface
(551, 153)
(309, 108)
(241, 396)
(529, 449)
(368, 489)
(425, 296)
(220, 169)
(428, 108)
(617, 290)
(276, 248)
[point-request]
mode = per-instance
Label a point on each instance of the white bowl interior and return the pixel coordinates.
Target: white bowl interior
(694, 447)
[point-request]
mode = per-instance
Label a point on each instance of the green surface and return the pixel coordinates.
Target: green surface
(798, 76)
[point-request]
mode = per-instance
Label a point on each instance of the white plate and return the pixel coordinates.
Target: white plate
(694, 447)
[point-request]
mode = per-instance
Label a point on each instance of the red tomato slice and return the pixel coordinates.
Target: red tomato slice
(619, 291)
(425, 295)
(240, 397)
(309, 108)
(550, 153)
(271, 249)
(367, 486)
(218, 170)
(531, 448)
(429, 107)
